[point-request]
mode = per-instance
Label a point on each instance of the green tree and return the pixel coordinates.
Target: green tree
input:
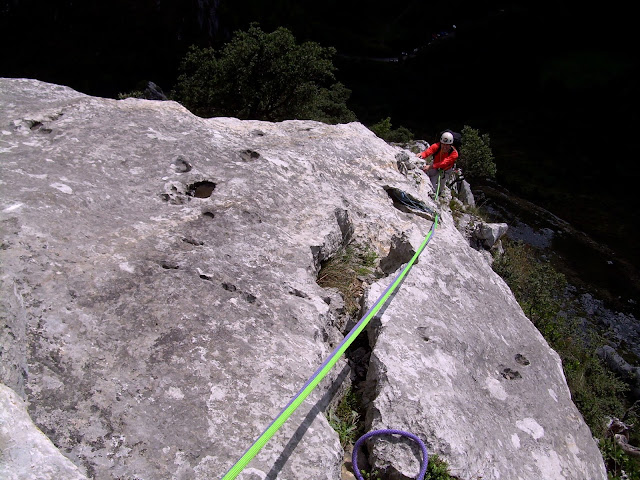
(383, 130)
(476, 158)
(264, 76)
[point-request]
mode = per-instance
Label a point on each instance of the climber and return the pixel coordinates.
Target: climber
(444, 158)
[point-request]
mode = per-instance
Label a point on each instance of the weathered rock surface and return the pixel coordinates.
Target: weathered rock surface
(26, 453)
(489, 233)
(457, 363)
(158, 288)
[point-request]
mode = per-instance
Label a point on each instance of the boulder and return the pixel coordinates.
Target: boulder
(488, 234)
(465, 194)
(154, 92)
(626, 371)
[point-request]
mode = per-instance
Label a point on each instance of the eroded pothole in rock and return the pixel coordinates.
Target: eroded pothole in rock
(249, 155)
(181, 165)
(202, 189)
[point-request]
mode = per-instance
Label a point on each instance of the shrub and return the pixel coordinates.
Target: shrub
(263, 76)
(383, 130)
(619, 464)
(437, 469)
(400, 135)
(331, 105)
(535, 284)
(476, 158)
(346, 419)
(132, 94)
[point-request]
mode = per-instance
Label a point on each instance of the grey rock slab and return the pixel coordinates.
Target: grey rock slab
(25, 452)
(160, 305)
(157, 278)
(456, 362)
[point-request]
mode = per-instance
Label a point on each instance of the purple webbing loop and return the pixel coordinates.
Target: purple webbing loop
(356, 447)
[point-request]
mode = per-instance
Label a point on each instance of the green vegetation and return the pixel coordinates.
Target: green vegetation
(456, 207)
(383, 130)
(596, 391)
(346, 420)
(618, 462)
(342, 271)
(373, 475)
(535, 284)
(132, 94)
(437, 469)
(476, 157)
(263, 76)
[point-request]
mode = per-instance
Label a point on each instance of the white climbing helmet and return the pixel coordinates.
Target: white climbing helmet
(446, 138)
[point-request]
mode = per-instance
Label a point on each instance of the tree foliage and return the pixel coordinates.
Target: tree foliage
(383, 130)
(263, 76)
(476, 157)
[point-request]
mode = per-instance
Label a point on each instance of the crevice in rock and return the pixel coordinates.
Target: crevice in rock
(38, 126)
(249, 297)
(204, 275)
(174, 194)
(298, 293)
(229, 287)
(424, 333)
(337, 273)
(332, 242)
(193, 241)
(401, 252)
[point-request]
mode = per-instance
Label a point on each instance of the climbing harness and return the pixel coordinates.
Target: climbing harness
(361, 440)
(328, 364)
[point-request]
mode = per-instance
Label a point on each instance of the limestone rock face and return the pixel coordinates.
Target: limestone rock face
(26, 453)
(456, 362)
(160, 305)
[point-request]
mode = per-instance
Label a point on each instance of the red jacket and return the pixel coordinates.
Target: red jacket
(441, 159)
